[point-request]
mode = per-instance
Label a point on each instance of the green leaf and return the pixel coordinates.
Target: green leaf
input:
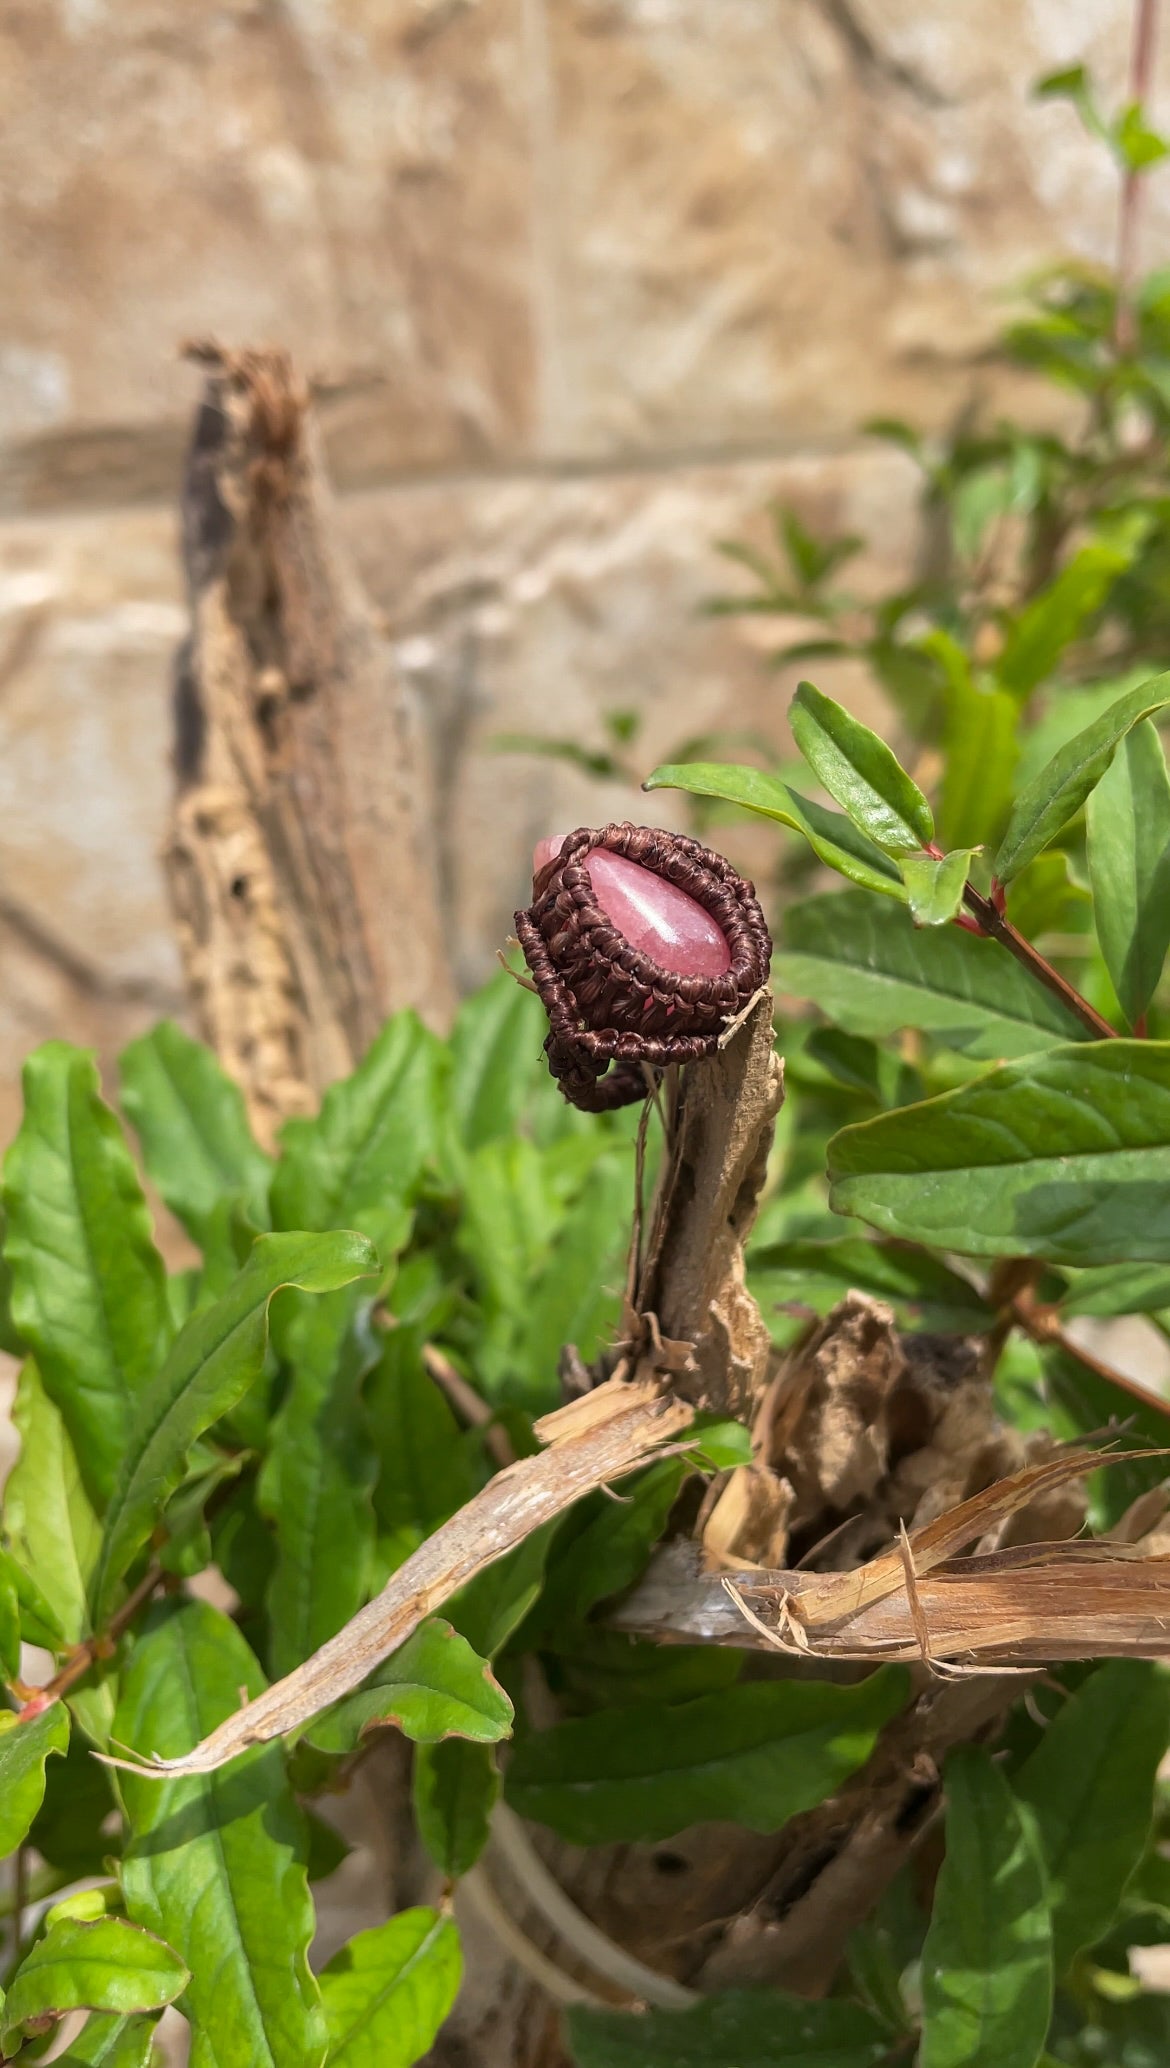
(88, 1292)
(1136, 144)
(215, 1359)
(935, 887)
(24, 1748)
(834, 839)
(316, 1480)
(979, 745)
(576, 1295)
(1056, 794)
(455, 1788)
(9, 1623)
(1064, 1156)
(987, 1961)
(1129, 867)
(873, 973)
(860, 773)
(1053, 619)
(816, 1272)
(754, 1754)
(216, 1863)
(108, 2041)
(47, 1513)
(1118, 1289)
(67, 1829)
(495, 1049)
(424, 1473)
(434, 1687)
(601, 1548)
(108, 1965)
(357, 1161)
(494, 1604)
(387, 1992)
(193, 1126)
(742, 2028)
(1090, 1785)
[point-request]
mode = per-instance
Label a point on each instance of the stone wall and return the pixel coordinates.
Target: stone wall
(582, 283)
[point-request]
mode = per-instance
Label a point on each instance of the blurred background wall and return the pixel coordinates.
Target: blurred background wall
(580, 284)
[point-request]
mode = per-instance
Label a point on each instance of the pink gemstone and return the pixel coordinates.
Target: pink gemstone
(656, 917)
(546, 851)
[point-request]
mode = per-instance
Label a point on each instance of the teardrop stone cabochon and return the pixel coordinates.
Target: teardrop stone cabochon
(656, 917)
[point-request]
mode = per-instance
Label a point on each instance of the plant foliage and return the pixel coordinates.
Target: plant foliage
(977, 1131)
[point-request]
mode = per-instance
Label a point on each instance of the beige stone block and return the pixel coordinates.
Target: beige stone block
(90, 613)
(348, 178)
(537, 605)
(770, 219)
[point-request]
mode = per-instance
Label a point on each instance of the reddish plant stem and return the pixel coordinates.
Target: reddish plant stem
(100, 1646)
(1040, 1322)
(1141, 66)
(999, 926)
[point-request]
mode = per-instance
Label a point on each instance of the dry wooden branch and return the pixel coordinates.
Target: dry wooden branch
(692, 1278)
(590, 1443)
(1019, 1607)
(300, 843)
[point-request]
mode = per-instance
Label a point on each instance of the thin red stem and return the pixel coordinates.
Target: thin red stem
(999, 926)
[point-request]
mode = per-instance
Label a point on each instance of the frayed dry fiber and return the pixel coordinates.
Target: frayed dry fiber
(1024, 1606)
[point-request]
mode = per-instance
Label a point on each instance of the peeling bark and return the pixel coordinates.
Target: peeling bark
(299, 852)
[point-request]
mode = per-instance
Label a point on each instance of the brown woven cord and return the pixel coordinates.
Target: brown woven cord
(609, 1004)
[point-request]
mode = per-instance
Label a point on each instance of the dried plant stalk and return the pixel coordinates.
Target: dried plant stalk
(616, 1429)
(1021, 1607)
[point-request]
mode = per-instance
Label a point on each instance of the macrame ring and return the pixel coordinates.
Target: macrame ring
(608, 1002)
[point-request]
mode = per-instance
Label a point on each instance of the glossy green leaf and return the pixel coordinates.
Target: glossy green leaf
(88, 1293)
(193, 1126)
(388, 1991)
(1129, 867)
(987, 1961)
(935, 888)
(48, 1517)
(753, 1754)
(357, 1161)
(109, 1965)
(216, 1357)
(740, 2028)
(860, 773)
(24, 1748)
(1057, 792)
(834, 839)
(315, 1482)
(1064, 1156)
(872, 972)
(456, 1784)
(107, 2041)
(216, 1864)
(433, 1687)
(1090, 1785)
(1052, 620)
